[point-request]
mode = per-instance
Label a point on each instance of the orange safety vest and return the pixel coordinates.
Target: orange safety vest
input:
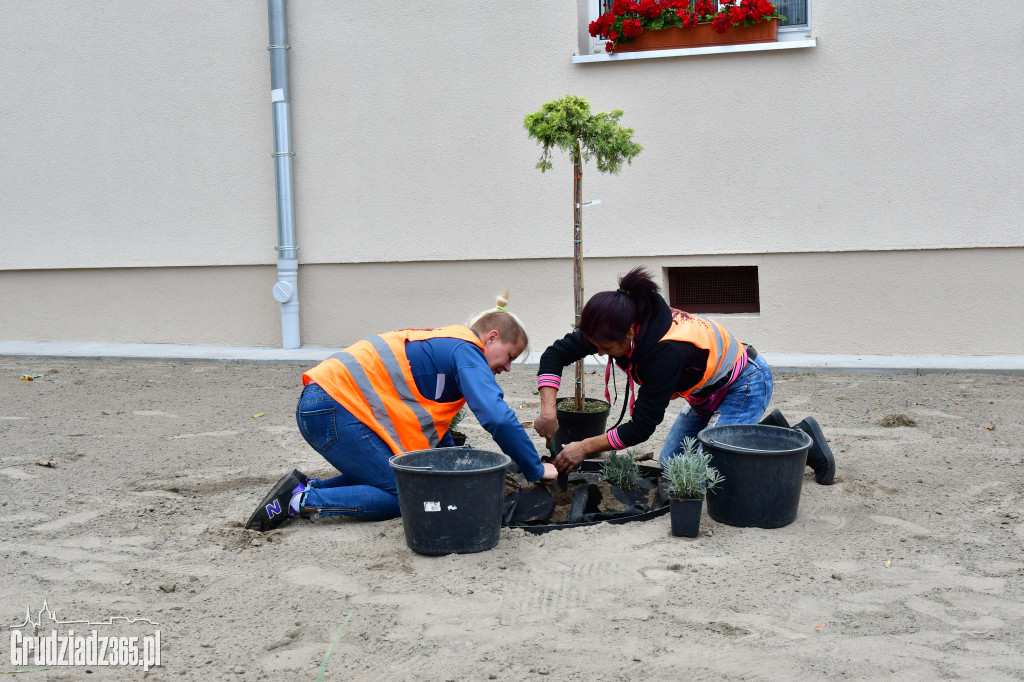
(723, 349)
(373, 380)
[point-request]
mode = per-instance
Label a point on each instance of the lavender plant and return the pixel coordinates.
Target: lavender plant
(690, 474)
(457, 419)
(621, 470)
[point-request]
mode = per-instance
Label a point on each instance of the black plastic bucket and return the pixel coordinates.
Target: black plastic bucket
(451, 498)
(577, 426)
(763, 468)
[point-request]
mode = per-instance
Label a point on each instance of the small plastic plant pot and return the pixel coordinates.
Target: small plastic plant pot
(685, 515)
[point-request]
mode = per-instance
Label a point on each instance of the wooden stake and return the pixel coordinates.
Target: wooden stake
(577, 255)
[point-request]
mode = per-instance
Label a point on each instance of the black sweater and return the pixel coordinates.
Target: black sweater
(663, 368)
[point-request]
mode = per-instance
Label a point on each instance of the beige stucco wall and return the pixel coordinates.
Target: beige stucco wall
(137, 172)
(136, 134)
(899, 303)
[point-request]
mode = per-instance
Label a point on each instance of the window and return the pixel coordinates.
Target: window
(719, 289)
(791, 31)
(798, 14)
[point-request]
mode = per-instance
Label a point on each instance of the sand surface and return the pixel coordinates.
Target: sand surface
(909, 567)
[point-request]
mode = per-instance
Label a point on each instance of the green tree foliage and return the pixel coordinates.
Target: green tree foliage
(567, 124)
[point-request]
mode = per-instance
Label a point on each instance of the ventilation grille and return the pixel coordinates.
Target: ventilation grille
(714, 289)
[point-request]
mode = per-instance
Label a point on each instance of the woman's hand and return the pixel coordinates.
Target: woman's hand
(570, 457)
(546, 424)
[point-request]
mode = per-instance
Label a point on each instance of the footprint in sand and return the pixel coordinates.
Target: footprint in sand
(821, 523)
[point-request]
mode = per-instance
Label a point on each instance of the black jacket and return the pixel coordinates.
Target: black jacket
(663, 368)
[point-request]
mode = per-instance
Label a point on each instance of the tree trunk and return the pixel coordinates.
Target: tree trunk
(577, 254)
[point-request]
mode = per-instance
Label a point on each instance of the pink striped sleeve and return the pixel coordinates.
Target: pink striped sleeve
(549, 381)
(613, 439)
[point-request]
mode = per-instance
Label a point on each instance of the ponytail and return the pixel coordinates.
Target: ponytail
(609, 315)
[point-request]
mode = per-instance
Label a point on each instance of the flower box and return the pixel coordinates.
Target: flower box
(632, 26)
(701, 35)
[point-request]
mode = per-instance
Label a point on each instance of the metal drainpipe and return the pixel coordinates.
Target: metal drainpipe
(286, 290)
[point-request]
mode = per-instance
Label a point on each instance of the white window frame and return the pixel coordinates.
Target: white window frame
(790, 37)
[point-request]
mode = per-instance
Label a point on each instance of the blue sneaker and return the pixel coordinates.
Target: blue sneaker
(277, 507)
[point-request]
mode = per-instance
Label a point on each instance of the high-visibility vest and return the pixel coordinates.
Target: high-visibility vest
(373, 380)
(723, 349)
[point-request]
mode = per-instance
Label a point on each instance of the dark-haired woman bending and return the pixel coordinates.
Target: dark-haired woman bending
(671, 354)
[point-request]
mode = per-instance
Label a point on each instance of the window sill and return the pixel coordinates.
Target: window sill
(786, 41)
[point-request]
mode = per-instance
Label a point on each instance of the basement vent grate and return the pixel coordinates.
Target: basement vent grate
(714, 289)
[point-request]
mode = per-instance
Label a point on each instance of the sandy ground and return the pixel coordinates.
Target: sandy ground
(910, 567)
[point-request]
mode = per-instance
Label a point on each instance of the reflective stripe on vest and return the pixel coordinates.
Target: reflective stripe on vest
(722, 347)
(373, 380)
(423, 417)
(380, 413)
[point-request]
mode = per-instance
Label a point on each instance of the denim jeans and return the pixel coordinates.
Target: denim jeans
(365, 488)
(745, 403)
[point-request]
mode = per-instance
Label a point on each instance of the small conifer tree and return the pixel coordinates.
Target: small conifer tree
(567, 124)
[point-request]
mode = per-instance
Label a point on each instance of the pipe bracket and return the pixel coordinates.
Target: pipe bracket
(279, 47)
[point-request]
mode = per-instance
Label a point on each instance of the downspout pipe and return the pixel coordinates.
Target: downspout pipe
(286, 290)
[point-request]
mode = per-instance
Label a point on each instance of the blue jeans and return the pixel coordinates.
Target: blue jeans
(745, 403)
(365, 488)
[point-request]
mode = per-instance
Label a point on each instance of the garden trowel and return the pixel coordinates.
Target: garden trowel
(563, 479)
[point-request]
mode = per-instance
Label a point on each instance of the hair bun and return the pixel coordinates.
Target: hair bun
(502, 301)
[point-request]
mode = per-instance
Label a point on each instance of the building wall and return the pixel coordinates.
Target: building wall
(138, 188)
(889, 303)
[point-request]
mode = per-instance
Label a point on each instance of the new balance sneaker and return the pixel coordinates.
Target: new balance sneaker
(819, 456)
(282, 503)
(775, 418)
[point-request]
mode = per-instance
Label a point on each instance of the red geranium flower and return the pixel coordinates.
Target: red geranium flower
(688, 18)
(649, 9)
(631, 28)
(627, 19)
(705, 7)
